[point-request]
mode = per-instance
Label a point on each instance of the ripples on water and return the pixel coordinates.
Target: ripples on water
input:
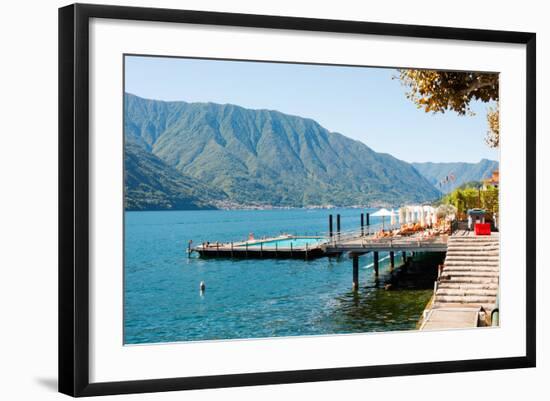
(255, 298)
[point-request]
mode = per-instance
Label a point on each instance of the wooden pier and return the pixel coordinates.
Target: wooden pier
(369, 243)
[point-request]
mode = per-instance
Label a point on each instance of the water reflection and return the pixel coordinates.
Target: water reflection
(391, 301)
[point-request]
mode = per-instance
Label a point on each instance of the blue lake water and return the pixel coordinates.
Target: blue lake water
(251, 298)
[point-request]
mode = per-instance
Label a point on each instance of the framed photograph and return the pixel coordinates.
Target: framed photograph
(250, 199)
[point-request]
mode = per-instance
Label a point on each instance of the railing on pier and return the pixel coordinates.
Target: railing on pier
(363, 232)
(369, 243)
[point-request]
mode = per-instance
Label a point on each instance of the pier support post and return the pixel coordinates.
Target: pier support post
(362, 224)
(368, 222)
(375, 262)
(408, 261)
(355, 283)
(392, 260)
(330, 225)
(338, 225)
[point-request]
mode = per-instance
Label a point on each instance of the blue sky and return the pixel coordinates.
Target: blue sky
(359, 102)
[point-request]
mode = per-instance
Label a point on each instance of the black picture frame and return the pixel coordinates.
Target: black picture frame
(74, 198)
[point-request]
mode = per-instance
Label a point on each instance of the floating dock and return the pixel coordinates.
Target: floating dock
(281, 247)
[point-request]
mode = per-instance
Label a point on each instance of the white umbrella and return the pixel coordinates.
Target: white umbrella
(382, 213)
(434, 219)
(422, 221)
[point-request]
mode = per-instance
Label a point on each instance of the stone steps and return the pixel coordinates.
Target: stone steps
(465, 262)
(488, 263)
(473, 280)
(453, 252)
(468, 274)
(466, 292)
(454, 285)
(470, 268)
(487, 306)
(468, 299)
(473, 258)
(472, 245)
(474, 238)
(481, 264)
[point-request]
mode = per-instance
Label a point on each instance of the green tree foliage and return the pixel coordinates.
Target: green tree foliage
(471, 198)
(439, 91)
(489, 200)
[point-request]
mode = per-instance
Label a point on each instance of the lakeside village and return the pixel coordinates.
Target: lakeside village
(460, 229)
(467, 194)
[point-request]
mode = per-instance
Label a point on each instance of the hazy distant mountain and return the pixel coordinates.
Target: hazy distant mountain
(462, 172)
(267, 157)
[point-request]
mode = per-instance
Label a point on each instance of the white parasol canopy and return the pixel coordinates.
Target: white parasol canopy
(382, 213)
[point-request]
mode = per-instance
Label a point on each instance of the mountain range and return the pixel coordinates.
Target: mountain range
(448, 176)
(151, 184)
(181, 155)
